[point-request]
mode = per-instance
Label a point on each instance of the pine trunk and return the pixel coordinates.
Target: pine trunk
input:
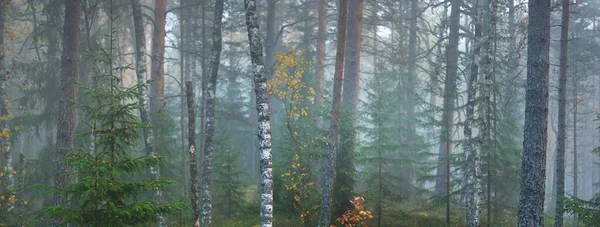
(321, 51)
(264, 115)
(533, 170)
(157, 90)
(210, 116)
(559, 176)
(67, 114)
(325, 216)
(344, 183)
(442, 177)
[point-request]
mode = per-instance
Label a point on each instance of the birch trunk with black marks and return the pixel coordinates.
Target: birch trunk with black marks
(562, 118)
(140, 71)
(67, 114)
(192, 149)
(533, 167)
(472, 171)
(264, 115)
(487, 58)
(325, 215)
(210, 116)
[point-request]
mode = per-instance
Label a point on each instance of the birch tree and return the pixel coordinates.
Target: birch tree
(264, 115)
(210, 116)
(140, 71)
(192, 149)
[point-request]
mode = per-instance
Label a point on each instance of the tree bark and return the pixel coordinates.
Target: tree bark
(157, 90)
(264, 115)
(140, 58)
(533, 170)
(204, 82)
(210, 115)
(562, 119)
(67, 114)
(472, 171)
(442, 186)
(321, 51)
(192, 149)
(325, 215)
(344, 184)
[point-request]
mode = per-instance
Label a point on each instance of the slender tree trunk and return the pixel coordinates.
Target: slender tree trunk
(442, 186)
(472, 172)
(192, 149)
(264, 115)
(204, 84)
(321, 51)
(67, 114)
(157, 90)
(562, 119)
(487, 58)
(344, 184)
(533, 170)
(271, 38)
(325, 216)
(575, 162)
(411, 84)
(210, 116)
(4, 105)
(140, 58)
(21, 190)
(183, 48)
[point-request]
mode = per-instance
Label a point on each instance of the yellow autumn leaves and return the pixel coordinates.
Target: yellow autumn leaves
(289, 85)
(357, 216)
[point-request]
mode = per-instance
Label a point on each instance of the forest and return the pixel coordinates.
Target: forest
(328, 113)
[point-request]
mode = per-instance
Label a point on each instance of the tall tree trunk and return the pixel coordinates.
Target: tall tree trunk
(140, 59)
(21, 189)
(192, 149)
(210, 115)
(575, 157)
(338, 77)
(344, 184)
(442, 184)
(4, 105)
(411, 84)
(264, 115)
(562, 119)
(67, 114)
(271, 38)
(203, 83)
(533, 170)
(183, 48)
(157, 88)
(321, 51)
(472, 172)
(485, 138)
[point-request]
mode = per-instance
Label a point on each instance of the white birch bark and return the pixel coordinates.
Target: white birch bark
(264, 115)
(206, 210)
